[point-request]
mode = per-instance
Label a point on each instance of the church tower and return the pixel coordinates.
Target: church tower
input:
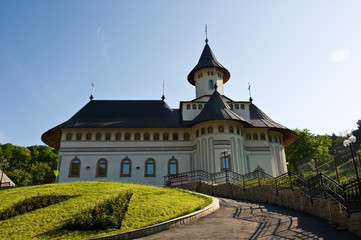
(207, 73)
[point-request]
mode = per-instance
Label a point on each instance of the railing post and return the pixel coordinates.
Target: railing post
(244, 186)
(289, 174)
(259, 179)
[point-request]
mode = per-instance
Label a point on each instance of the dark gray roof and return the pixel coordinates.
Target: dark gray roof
(208, 59)
(116, 113)
(260, 119)
(217, 109)
(154, 113)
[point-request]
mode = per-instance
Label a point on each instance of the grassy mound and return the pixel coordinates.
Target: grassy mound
(148, 205)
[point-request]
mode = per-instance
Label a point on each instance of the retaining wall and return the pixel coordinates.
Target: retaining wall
(321, 207)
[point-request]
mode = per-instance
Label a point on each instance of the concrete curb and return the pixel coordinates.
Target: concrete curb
(142, 232)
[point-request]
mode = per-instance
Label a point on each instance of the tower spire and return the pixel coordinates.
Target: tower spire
(163, 97)
(250, 96)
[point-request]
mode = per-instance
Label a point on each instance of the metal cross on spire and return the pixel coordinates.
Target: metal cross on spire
(163, 97)
(206, 34)
(91, 95)
(250, 95)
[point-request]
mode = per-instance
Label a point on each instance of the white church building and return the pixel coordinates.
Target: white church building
(141, 141)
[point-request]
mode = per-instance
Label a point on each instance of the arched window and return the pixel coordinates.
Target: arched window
(68, 137)
(165, 136)
(237, 106)
(98, 137)
(238, 132)
(210, 84)
(248, 136)
(127, 136)
(225, 161)
(269, 138)
(175, 136)
(263, 137)
(146, 136)
(276, 139)
(231, 130)
(149, 168)
(78, 137)
(172, 166)
(194, 106)
(88, 137)
(242, 106)
(210, 130)
(137, 136)
(156, 136)
(197, 133)
(188, 106)
(74, 170)
(118, 136)
(255, 136)
(107, 137)
(231, 106)
(102, 167)
(186, 136)
(220, 129)
(203, 131)
(126, 168)
(200, 106)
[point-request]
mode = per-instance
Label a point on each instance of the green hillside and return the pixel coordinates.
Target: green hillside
(148, 205)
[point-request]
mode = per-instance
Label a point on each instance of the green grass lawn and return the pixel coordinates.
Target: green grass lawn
(149, 205)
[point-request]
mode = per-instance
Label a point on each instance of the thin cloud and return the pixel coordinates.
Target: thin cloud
(339, 55)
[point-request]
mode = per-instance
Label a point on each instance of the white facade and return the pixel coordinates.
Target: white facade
(91, 151)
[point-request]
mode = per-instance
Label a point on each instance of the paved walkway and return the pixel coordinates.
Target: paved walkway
(247, 220)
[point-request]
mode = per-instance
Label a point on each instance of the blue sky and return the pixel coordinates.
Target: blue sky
(302, 58)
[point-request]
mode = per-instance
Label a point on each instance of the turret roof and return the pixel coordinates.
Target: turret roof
(217, 109)
(208, 59)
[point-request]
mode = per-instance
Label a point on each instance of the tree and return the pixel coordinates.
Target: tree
(307, 145)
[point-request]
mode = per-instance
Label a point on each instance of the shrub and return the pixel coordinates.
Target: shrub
(108, 214)
(31, 204)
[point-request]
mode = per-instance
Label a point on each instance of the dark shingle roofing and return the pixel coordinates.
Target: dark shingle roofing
(260, 119)
(217, 109)
(122, 114)
(208, 59)
(154, 113)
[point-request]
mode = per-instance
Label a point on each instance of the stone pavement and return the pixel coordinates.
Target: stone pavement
(248, 220)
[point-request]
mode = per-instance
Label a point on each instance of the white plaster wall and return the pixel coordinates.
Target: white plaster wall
(202, 84)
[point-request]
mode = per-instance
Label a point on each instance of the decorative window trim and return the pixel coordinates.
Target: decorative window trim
(137, 136)
(148, 162)
(221, 129)
(118, 136)
(173, 161)
(236, 106)
(255, 136)
(78, 137)
(156, 136)
(200, 106)
(263, 136)
(108, 136)
(88, 137)
(210, 84)
(194, 106)
(186, 136)
(175, 136)
(242, 106)
(228, 155)
(98, 137)
(71, 167)
(188, 106)
(231, 130)
(106, 167)
(203, 131)
(122, 163)
(69, 137)
(210, 129)
(127, 137)
(146, 136)
(248, 136)
(165, 136)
